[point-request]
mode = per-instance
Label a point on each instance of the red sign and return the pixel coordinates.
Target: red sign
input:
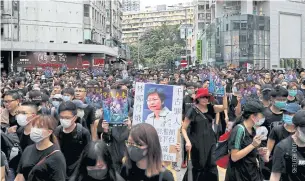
(183, 63)
(98, 62)
(86, 64)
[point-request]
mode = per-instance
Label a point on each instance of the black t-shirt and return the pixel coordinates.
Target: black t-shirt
(52, 169)
(279, 133)
(188, 101)
(71, 146)
(89, 116)
(289, 160)
(12, 120)
(271, 120)
(137, 174)
(25, 140)
(245, 169)
(232, 101)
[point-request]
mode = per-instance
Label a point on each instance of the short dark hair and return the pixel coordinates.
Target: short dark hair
(30, 104)
(157, 91)
(68, 106)
(14, 93)
(279, 91)
(68, 91)
(81, 85)
(303, 104)
(59, 84)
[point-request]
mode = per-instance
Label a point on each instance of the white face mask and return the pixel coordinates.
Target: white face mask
(36, 135)
(259, 122)
(80, 113)
(98, 114)
(22, 119)
(66, 123)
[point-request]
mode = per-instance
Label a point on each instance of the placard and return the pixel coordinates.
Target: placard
(160, 106)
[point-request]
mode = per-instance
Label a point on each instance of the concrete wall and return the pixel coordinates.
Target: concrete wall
(277, 8)
(48, 20)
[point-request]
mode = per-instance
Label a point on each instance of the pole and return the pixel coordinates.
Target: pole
(138, 49)
(186, 34)
(12, 34)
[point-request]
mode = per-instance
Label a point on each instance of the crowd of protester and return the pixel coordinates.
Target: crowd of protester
(49, 131)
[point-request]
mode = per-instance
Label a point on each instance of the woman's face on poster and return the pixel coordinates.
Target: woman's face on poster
(154, 102)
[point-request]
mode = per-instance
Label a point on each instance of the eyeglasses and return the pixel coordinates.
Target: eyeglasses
(8, 101)
(132, 144)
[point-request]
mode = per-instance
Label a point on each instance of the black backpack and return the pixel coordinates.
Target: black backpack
(78, 136)
(10, 145)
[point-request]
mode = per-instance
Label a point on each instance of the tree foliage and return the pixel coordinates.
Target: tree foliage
(158, 46)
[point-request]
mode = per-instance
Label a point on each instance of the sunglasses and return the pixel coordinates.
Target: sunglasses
(204, 97)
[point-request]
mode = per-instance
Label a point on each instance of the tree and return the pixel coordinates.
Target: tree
(158, 46)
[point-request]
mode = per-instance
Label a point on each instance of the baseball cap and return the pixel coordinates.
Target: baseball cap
(79, 104)
(299, 119)
(292, 108)
(267, 87)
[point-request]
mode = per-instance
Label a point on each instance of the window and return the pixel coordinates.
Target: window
(2, 5)
(86, 10)
(243, 26)
(2, 31)
(15, 5)
(227, 27)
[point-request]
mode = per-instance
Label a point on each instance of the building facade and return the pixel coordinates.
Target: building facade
(202, 18)
(68, 28)
(136, 23)
(269, 34)
(131, 5)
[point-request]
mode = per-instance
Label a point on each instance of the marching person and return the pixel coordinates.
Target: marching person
(202, 144)
(289, 154)
(144, 156)
(244, 145)
(43, 157)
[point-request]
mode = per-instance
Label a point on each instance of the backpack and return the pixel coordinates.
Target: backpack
(10, 145)
(222, 148)
(78, 136)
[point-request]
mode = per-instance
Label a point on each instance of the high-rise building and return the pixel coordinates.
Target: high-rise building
(267, 34)
(136, 23)
(131, 5)
(43, 32)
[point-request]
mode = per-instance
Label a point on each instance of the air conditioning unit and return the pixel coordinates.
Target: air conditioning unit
(23, 54)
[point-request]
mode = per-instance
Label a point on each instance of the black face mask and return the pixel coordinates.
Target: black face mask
(97, 174)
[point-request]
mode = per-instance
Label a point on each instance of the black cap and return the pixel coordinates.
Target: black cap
(299, 119)
(267, 87)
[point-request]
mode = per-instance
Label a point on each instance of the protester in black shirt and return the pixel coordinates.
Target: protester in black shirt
(26, 113)
(265, 95)
(289, 154)
(11, 102)
(144, 156)
(274, 114)
(293, 96)
(72, 136)
(243, 145)
(42, 160)
(96, 164)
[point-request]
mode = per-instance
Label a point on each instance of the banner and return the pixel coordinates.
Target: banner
(115, 106)
(94, 96)
(160, 106)
(199, 51)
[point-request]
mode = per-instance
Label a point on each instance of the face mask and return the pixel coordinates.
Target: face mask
(136, 154)
(280, 104)
(292, 92)
(259, 122)
(21, 119)
(55, 103)
(190, 92)
(97, 174)
(80, 113)
(287, 119)
(301, 135)
(66, 98)
(66, 123)
(36, 135)
(98, 114)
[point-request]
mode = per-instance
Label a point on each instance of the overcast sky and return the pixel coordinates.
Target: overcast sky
(159, 2)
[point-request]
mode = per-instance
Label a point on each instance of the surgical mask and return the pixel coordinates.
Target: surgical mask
(56, 103)
(301, 135)
(97, 174)
(66, 98)
(287, 119)
(66, 123)
(80, 113)
(36, 135)
(292, 92)
(190, 91)
(259, 122)
(136, 154)
(280, 104)
(22, 119)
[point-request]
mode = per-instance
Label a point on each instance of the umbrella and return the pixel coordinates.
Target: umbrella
(189, 167)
